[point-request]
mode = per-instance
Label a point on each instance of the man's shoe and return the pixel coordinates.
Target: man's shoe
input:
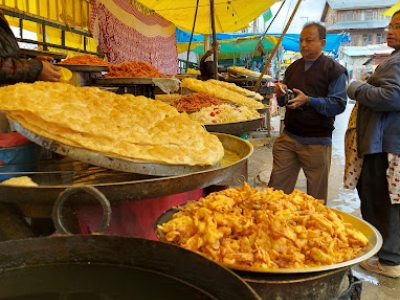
(373, 265)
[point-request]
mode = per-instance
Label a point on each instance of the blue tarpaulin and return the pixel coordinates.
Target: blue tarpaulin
(290, 42)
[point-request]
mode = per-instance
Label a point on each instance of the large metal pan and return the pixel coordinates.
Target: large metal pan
(105, 267)
(125, 186)
(167, 85)
(108, 161)
(236, 128)
(374, 237)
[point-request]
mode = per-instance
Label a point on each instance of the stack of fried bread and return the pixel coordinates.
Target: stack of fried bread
(262, 230)
(224, 113)
(124, 126)
(246, 72)
(220, 92)
(237, 89)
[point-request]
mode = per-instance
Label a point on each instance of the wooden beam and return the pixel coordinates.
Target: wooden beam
(214, 34)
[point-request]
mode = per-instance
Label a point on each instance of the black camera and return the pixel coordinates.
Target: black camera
(290, 95)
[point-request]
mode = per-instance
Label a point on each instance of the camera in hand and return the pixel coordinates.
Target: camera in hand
(290, 95)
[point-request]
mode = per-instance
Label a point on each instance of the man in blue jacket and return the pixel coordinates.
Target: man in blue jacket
(378, 145)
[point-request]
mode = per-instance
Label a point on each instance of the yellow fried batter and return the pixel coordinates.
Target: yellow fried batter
(248, 228)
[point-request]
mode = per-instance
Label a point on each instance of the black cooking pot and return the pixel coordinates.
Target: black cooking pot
(102, 267)
(106, 267)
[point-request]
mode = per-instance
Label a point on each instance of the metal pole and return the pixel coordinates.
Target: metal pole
(275, 49)
(191, 36)
(212, 15)
(264, 34)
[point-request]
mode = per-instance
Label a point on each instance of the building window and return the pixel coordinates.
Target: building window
(369, 38)
(379, 39)
(364, 39)
(354, 40)
(347, 16)
(367, 15)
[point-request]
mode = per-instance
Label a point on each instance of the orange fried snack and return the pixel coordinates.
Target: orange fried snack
(262, 230)
(195, 102)
(131, 69)
(86, 59)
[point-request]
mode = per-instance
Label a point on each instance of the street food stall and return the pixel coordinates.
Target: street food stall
(141, 157)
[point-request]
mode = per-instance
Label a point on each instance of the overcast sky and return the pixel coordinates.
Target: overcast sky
(309, 10)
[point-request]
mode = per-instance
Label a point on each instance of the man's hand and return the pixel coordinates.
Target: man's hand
(300, 100)
(50, 72)
(280, 89)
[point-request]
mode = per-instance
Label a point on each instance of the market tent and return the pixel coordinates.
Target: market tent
(184, 36)
(230, 15)
(233, 47)
(290, 41)
(392, 10)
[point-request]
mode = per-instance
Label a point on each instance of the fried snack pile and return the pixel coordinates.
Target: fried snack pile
(86, 59)
(194, 102)
(224, 113)
(261, 230)
(192, 71)
(125, 126)
(130, 69)
(20, 181)
(220, 92)
(247, 72)
(237, 89)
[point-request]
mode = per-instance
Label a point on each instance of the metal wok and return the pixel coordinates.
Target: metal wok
(104, 267)
(236, 128)
(126, 186)
(373, 235)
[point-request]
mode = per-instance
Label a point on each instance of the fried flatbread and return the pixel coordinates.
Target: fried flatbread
(137, 128)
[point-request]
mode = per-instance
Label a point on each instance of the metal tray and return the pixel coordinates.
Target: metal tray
(108, 161)
(132, 81)
(236, 128)
(119, 186)
(374, 237)
(263, 110)
(83, 68)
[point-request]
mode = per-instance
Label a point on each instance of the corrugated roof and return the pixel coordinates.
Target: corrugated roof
(359, 25)
(368, 50)
(356, 4)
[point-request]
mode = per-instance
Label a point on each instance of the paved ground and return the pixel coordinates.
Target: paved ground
(375, 287)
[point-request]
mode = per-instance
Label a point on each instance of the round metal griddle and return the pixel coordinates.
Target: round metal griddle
(83, 68)
(236, 128)
(108, 161)
(118, 186)
(374, 237)
(109, 267)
